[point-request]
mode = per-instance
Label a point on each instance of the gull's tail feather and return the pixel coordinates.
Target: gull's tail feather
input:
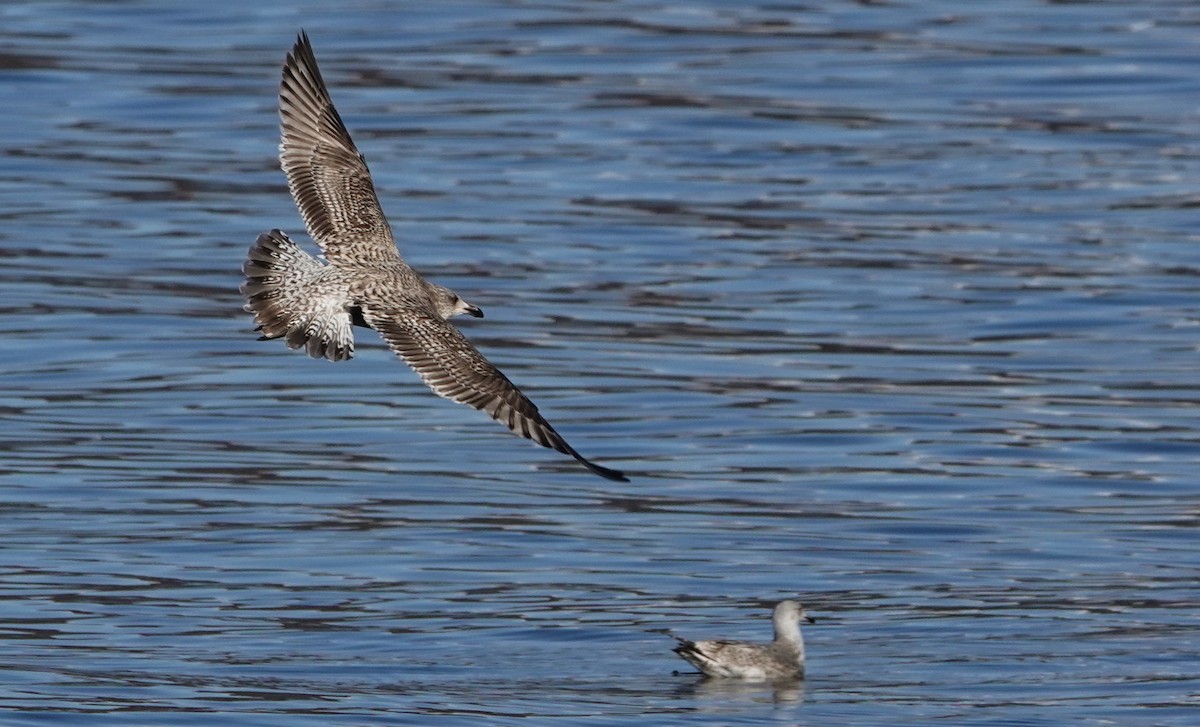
(692, 654)
(295, 297)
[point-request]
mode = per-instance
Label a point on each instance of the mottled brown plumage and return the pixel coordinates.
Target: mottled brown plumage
(783, 658)
(313, 305)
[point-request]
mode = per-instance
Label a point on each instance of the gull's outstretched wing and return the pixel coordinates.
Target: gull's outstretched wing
(455, 369)
(327, 176)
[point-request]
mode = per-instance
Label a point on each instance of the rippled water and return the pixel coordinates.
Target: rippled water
(889, 307)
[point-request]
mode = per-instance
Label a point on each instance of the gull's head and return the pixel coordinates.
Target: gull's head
(791, 612)
(448, 303)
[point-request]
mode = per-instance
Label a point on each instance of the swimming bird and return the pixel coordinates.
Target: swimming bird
(364, 282)
(783, 658)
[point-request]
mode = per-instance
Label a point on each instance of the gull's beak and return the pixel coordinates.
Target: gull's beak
(462, 306)
(809, 619)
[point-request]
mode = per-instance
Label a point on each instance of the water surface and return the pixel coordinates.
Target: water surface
(887, 307)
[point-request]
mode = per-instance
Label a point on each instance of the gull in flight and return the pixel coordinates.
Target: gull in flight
(313, 305)
(783, 658)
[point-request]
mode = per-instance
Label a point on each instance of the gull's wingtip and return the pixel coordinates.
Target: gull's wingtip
(560, 444)
(605, 472)
(302, 44)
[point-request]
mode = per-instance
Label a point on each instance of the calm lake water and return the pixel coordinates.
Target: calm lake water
(893, 308)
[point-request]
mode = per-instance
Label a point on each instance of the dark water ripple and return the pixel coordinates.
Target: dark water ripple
(889, 307)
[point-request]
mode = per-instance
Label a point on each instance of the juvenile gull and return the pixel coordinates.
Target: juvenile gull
(313, 305)
(783, 658)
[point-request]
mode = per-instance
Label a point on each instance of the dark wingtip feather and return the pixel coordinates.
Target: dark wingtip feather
(556, 442)
(605, 472)
(302, 42)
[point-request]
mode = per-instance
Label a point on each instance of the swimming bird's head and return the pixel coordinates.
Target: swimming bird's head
(449, 304)
(792, 612)
(788, 615)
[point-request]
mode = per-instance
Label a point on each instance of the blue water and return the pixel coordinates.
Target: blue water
(888, 307)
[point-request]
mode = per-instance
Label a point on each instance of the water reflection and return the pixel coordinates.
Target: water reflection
(723, 693)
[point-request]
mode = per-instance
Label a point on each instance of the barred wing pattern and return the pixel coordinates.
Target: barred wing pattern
(455, 369)
(326, 174)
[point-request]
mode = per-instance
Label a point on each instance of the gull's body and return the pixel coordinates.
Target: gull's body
(783, 658)
(314, 305)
